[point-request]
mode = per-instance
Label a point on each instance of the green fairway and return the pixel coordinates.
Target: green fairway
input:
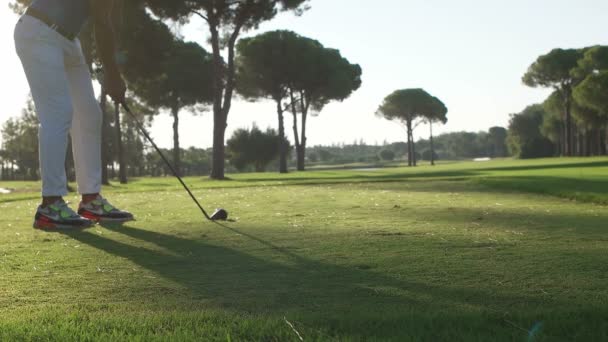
(497, 251)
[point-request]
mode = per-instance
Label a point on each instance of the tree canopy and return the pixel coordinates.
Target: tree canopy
(553, 69)
(437, 112)
(323, 75)
(595, 58)
(265, 64)
(229, 14)
(556, 70)
(593, 92)
(408, 105)
(284, 65)
(226, 20)
(575, 113)
(524, 138)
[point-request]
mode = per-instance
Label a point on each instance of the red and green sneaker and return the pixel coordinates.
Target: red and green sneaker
(100, 210)
(59, 216)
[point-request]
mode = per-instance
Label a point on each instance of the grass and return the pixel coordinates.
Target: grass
(505, 251)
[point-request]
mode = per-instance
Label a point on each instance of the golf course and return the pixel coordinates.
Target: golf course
(495, 251)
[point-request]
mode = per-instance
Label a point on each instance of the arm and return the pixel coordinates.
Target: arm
(106, 46)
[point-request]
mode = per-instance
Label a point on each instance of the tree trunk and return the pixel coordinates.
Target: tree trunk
(223, 89)
(604, 138)
(297, 141)
(582, 136)
(563, 139)
(409, 150)
(105, 135)
(588, 142)
(302, 149)
(176, 149)
(576, 136)
(296, 136)
(121, 153)
(219, 124)
(598, 142)
(294, 111)
(568, 138)
(412, 144)
(282, 144)
(304, 106)
(432, 148)
(301, 157)
(410, 160)
(584, 143)
(414, 159)
(219, 147)
(579, 137)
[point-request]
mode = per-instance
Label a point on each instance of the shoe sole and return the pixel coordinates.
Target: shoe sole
(101, 219)
(56, 226)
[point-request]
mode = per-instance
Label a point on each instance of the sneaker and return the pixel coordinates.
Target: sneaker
(100, 210)
(59, 216)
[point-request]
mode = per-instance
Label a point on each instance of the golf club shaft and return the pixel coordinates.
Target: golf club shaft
(145, 133)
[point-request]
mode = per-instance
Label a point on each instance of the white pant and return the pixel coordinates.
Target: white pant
(62, 90)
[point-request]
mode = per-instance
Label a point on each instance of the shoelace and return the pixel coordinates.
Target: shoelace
(104, 203)
(64, 209)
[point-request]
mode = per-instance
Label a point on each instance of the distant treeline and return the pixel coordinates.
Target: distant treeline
(247, 150)
(573, 120)
(448, 146)
(19, 153)
(537, 132)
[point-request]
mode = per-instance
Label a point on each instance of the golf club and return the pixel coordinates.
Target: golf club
(219, 214)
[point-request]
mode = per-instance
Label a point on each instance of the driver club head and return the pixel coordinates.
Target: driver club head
(219, 215)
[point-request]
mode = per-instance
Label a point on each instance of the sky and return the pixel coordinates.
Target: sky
(469, 53)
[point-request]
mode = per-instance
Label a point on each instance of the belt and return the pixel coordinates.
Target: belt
(50, 23)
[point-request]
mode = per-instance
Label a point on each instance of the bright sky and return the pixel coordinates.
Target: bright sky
(469, 53)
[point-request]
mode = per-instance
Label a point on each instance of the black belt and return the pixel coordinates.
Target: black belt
(50, 23)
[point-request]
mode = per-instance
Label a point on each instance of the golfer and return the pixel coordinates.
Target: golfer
(47, 44)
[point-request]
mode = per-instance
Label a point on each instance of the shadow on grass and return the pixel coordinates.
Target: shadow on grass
(426, 173)
(550, 224)
(360, 177)
(587, 190)
(580, 189)
(591, 164)
(356, 301)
